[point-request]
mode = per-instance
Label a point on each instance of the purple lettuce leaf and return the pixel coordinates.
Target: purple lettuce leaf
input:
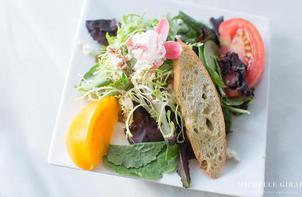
(234, 74)
(99, 28)
(144, 128)
(215, 23)
(185, 154)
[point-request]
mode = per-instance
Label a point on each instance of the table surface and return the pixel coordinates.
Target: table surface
(35, 45)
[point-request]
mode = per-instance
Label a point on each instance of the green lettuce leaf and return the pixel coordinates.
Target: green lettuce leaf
(165, 162)
(134, 156)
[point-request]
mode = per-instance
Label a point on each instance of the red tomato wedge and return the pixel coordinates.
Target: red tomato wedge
(242, 37)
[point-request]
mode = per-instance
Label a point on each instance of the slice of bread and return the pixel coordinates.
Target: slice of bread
(201, 110)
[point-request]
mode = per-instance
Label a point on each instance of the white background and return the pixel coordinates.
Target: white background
(35, 45)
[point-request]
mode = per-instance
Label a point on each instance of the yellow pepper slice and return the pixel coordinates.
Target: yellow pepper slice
(90, 132)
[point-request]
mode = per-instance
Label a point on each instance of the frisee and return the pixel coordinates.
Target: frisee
(151, 92)
(114, 75)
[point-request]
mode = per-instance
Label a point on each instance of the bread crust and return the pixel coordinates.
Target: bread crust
(204, 118)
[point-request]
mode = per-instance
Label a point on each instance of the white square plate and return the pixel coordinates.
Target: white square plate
(244, 178)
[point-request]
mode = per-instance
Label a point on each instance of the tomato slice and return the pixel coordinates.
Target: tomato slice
(242, 37)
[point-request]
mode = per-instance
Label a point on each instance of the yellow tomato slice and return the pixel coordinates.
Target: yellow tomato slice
(90, 132)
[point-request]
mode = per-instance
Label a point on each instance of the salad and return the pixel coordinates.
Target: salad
(133, 82)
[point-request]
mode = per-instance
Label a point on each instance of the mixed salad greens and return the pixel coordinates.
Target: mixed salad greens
(135, 66)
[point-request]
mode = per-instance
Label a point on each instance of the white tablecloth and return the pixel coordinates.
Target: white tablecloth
(35, 46)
